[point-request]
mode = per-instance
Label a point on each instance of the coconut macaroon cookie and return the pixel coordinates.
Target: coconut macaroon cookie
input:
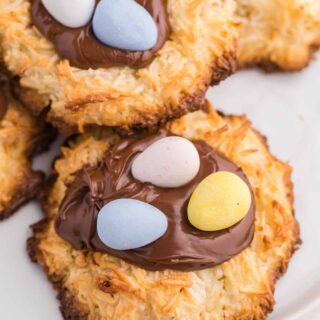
(208, 241)
(128, 64)
(278, 34)
(21, 137)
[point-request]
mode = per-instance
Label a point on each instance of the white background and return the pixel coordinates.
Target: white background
(284, 107)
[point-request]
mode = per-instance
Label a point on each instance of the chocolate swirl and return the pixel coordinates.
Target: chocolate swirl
(84, 50)
(183, 247)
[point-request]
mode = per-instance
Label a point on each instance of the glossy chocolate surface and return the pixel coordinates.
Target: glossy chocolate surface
(84, 50)
(183, 247)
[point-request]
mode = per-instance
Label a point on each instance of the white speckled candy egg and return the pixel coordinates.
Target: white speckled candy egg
(126, 224)
(73, 14)
(124, 24)
(170, 162)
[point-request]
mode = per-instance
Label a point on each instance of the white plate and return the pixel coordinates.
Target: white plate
(286, 108)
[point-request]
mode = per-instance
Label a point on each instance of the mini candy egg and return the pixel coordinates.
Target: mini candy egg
(126, 224)
(170, 162)
(220, 201)
(73, 14)
(124, 24)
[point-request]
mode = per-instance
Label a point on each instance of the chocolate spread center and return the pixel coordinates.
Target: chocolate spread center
(84, 50)
(182, 247)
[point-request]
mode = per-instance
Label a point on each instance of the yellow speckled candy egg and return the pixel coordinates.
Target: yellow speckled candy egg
(220, 201)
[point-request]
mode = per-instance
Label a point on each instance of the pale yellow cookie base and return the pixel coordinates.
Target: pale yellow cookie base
(99, 286)
(278, 33)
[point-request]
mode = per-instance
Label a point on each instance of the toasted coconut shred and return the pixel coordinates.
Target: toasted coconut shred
(93, 285)
(278, 34)
(19, 133)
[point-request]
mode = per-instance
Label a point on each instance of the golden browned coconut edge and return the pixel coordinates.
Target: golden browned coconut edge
(269, 66)
(31, 182)
(31, 186)
(40, 105)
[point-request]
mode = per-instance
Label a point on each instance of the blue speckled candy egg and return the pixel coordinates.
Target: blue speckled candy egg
(124, 24)
(126, 224)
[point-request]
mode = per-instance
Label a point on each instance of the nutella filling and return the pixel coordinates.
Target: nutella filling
(84, 50)
(182, 247)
